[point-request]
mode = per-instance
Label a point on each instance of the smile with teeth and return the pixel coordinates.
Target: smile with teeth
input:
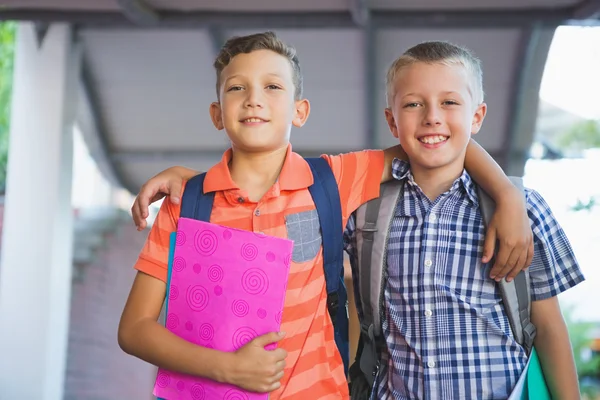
(433, 139)
(254, 120)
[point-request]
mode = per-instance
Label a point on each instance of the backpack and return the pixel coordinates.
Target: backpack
(373, 223)
(196, 204)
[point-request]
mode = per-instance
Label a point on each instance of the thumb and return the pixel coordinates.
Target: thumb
(267, 339)
(489, 244)
(175, 192)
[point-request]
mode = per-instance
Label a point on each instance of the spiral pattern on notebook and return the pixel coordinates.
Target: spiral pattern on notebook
(240, 308)
(287, 260)
(178, 264)
(163, 379)
(180, 238)
(255, 281)
(173, 292)
(172, 321)
(206, 332)
(234, 394)
(206, 242)
(197, 392)
(249, 251)
(215, 273)
(242, 336)
(197, 298)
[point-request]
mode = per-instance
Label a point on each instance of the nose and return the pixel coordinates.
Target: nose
(254, 98)
(432, 117)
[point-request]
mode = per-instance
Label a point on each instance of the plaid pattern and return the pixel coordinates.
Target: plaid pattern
(446, 333)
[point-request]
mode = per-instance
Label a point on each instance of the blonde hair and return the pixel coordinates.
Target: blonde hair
(259, 41)
(433, 53)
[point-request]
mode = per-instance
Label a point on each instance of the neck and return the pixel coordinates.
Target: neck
(256, 172)
(435, 181)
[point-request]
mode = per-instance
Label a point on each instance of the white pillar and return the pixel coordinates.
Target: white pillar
(35, 270)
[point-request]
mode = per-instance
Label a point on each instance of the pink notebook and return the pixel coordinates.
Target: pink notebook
(226, 287)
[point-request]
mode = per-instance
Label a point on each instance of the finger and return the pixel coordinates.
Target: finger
(488, 245)
(279, 354)
(508, 266)
(268, 338)
(277, 377)
(135, 214)
(519, 266)
(175, 190)
(530, 252)
(143, 200)
(501, 259)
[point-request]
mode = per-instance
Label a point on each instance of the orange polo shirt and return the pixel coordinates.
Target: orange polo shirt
(314, 368)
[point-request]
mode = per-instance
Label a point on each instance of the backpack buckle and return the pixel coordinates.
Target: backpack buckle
(368, 230)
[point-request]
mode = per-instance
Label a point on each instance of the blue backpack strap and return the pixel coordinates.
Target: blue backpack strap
(326, 196)
(195, 204)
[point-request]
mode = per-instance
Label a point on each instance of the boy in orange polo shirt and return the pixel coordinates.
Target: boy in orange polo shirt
(261, 185)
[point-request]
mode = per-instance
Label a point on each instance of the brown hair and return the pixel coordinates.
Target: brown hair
(442, 53)
(259, 41)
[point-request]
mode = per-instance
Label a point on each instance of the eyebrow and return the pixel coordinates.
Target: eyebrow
(238, 75)
(444, 93)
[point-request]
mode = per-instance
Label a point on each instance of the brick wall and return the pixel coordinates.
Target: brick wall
(96, 367)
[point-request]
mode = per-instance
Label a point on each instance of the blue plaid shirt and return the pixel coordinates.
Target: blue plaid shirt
(446, 333)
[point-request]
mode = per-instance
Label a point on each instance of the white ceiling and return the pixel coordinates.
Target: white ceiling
(151, 87)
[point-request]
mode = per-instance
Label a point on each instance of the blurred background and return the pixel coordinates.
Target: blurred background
(98, 96)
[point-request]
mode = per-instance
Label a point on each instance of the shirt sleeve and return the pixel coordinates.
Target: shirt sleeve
(154, 257)
(554, 268)
(358, 175)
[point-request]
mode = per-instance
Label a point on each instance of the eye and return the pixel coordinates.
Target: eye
(411, 105)
(450, 103)
(273, 87)
(235, 88)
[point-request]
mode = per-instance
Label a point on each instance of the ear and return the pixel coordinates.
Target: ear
(301, 112)
(389, 117)
(478, 118)
(216, 115)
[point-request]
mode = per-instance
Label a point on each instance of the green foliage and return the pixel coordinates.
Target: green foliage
(7, 47)
(582, 135)
(581, 336)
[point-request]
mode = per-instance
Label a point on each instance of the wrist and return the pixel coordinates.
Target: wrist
(223, 370)
(510, 196)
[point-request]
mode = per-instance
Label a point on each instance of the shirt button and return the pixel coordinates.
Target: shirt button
(432, 218)
(240, 199)
(431, 364)
(428, 263)
(257, 212)
(428, 313)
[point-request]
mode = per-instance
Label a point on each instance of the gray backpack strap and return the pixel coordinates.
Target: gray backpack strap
(373, 223)
(516, 295)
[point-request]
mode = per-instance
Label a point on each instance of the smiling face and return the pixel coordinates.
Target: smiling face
(433, 115)
(257, 107)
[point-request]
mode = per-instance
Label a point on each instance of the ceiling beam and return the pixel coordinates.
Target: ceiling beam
(587, 9)
(93, 130)
(302, 20)
(139, 12)
(523, 98)
(359, 9)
